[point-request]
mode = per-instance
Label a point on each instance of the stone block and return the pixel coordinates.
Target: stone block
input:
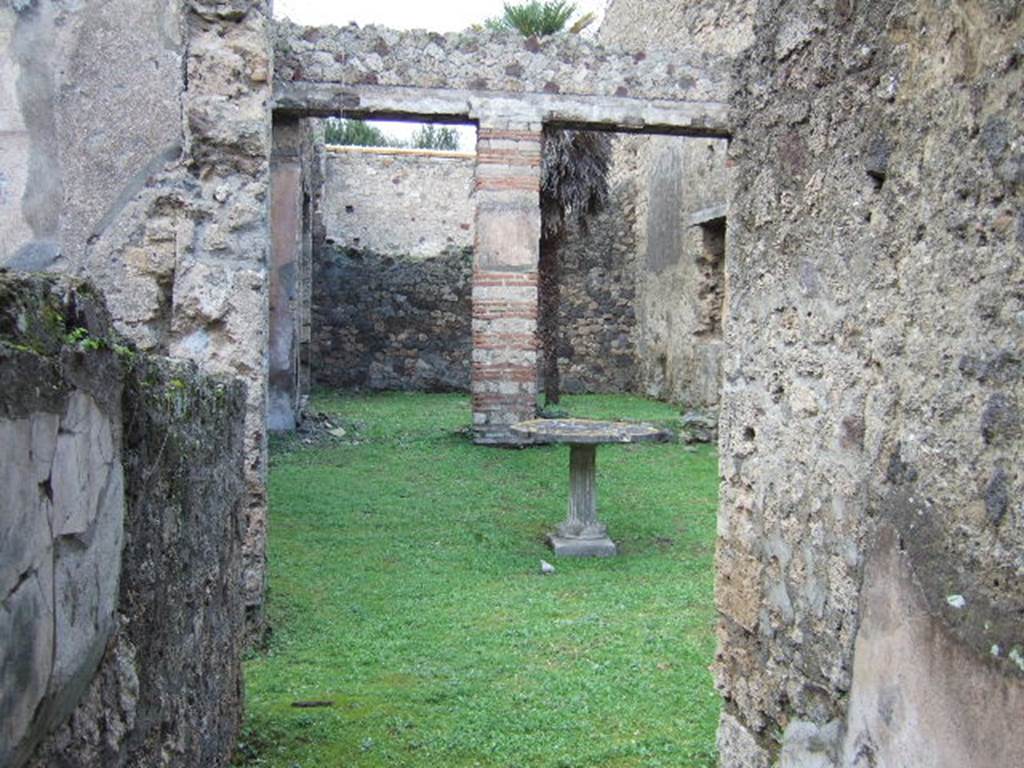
(738, 592)
(737, 748)
(579, 547)
(508, 238)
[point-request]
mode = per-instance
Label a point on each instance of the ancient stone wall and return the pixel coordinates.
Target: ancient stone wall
(408, 203)
(392, 287)
(870, 538)
(679, 210)
(680, 276)
(121, 520)
(385, 322)
(480, 75)
(597, 314)
(145, 131)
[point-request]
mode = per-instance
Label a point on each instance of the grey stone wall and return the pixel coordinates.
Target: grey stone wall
(314, 170)
(680, 276)
(493, 61)
(122, 509)
(385, 322)
(399, 202)
(869, 559)
(597, 316)
(144, 129)
(497, 76)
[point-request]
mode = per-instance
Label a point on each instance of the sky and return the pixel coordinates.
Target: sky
(437, 16)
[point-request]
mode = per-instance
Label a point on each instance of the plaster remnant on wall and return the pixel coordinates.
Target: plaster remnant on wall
(919, 697)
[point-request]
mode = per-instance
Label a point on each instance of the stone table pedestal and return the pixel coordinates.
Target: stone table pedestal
(583, 534)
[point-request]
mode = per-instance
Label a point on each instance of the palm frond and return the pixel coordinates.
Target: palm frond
(574, 177)
(536, 18)
(582, 23)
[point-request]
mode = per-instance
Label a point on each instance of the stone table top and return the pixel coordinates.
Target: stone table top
(589, 431)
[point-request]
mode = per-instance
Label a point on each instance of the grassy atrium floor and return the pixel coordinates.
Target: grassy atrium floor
(412, 625)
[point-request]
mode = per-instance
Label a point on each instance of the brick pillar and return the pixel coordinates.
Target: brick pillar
(504, 378)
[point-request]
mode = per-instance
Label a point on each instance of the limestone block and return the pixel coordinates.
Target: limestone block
(737, 748)
(508, 238)
(61, 531)
(29, 445)
(26, 664)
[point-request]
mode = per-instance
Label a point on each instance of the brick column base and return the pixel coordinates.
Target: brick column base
(504, 379)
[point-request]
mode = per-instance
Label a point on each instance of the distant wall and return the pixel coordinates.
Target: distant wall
(597, 318)
(644, 290)
(391, 307)
(392, 323)
(681, 268)
(121, 520)
(408, 203)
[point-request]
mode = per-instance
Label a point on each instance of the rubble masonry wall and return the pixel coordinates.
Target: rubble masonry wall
(121, 517)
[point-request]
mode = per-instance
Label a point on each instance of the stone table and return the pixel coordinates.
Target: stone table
(582, 534)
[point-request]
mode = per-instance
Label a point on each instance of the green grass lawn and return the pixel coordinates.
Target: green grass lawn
(405, 588)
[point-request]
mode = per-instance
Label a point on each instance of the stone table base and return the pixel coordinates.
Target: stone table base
(576, 547)
(583, 534)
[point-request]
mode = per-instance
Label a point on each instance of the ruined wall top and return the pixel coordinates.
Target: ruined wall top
(559, 79)
(715, 26)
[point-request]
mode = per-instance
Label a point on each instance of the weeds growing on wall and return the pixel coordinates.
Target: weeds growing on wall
(412, 625)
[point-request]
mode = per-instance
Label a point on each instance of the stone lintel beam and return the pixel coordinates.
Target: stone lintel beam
(706, 119)
(710, 215)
